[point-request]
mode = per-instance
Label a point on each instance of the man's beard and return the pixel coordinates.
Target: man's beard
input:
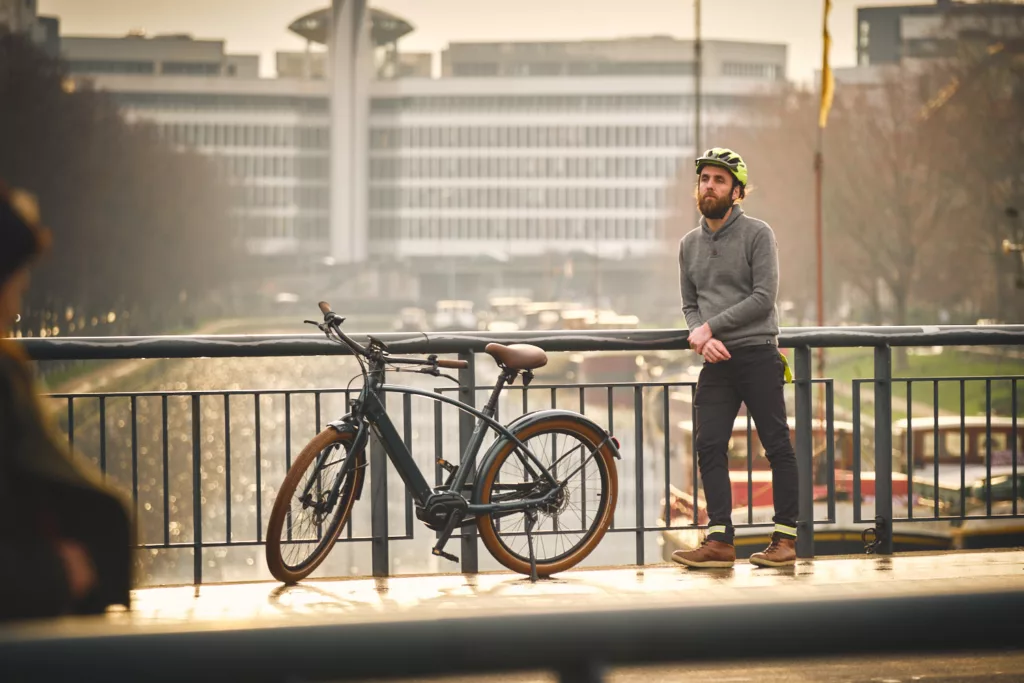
(714, 208)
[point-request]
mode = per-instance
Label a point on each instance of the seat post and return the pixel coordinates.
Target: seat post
(492, 403)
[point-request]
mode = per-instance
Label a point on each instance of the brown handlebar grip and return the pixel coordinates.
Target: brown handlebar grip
(325, 307)
(456, 364)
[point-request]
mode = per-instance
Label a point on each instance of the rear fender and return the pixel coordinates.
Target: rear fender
(528, 420)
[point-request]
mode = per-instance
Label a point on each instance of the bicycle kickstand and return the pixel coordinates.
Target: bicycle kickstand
(531, 521)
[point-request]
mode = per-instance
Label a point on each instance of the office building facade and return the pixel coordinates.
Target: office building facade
(520, 155)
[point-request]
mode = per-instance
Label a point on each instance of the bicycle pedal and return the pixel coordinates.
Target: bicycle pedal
(447, 556)
(446, 466)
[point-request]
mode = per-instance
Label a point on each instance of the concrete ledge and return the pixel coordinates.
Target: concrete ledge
(497, 623)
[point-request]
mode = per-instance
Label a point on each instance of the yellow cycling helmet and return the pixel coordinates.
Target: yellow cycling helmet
(727, 159)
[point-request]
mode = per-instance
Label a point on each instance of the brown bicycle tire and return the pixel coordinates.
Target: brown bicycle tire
(275, 561)
(486, 530)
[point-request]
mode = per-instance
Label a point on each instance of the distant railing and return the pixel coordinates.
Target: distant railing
(201, 467)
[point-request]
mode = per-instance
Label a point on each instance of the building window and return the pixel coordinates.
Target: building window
(475, 69)
(752, 70)
(91, 66)
(191, 68)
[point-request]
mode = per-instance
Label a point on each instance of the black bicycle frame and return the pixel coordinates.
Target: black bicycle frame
(370, 412)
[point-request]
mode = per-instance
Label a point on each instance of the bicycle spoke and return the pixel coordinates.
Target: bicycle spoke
(564, 524)
(307, 519)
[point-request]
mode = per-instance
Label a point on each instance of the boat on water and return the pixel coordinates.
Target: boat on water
(937, 504)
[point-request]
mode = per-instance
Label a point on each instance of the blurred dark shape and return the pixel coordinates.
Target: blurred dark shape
(65, 537)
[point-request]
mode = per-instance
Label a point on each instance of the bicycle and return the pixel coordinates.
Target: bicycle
(527, 499)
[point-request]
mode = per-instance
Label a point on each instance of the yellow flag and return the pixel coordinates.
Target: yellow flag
(828, 84)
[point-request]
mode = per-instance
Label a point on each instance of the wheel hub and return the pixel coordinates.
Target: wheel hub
(319, 507)
(557, 504)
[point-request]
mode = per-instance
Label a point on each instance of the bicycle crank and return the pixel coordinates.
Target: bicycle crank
(443, 512)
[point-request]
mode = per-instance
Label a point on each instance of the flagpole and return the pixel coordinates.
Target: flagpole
(819, 163)
(827, 87)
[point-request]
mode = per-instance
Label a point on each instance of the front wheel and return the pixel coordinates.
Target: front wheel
(570, 527)
(302, 530)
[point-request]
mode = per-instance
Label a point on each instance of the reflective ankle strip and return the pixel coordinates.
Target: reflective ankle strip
(788, 530)
(720, 529)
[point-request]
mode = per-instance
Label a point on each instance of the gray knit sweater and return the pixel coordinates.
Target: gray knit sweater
(730, 278)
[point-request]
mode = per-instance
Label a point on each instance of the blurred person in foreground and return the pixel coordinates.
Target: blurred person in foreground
(64, 536)
(729, 279)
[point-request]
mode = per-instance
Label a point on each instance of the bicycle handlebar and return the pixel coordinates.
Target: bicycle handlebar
(441, 363)
(333, 317)
(334, 321)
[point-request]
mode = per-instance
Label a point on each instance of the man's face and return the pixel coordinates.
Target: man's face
(715, 192)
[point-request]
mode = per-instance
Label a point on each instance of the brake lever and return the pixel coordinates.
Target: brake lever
(320, 326)
(441, 374)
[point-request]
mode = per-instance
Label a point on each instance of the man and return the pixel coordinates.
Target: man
(65, 538)
(729, 278)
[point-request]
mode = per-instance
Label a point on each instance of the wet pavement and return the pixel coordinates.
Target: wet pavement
(434, 596)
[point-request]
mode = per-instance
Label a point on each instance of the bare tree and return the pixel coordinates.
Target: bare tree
(136, 222)
(885, 204)
(978, 92)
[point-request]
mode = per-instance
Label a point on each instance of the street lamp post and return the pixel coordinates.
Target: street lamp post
(697, 58)
(697, 68)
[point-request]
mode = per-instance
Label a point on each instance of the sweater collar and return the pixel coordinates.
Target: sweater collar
(737, 211)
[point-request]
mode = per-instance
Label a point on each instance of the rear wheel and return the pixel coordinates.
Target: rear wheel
(302, 531)
(570, 527)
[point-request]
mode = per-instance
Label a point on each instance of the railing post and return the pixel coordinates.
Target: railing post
(381, 560)
(467, 394)
(197, 494)
(804, 454)
(883, 448)
(638, 471)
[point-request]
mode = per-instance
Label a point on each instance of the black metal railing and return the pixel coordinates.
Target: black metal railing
(176, 452)
(934, 428)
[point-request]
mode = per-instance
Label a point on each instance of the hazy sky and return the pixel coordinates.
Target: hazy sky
(251, 26)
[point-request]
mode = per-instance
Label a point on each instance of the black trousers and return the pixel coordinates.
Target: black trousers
(754, 376)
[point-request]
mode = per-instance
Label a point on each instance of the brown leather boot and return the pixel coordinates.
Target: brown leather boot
(781, 552)
(710, 555)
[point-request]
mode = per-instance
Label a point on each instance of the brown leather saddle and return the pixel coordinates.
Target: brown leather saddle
(518, 356)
